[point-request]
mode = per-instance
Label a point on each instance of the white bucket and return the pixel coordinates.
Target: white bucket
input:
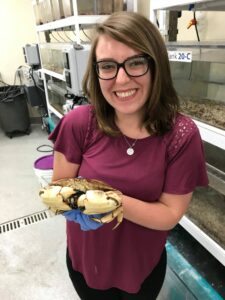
(44, 176)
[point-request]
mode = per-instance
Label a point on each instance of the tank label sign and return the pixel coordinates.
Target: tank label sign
(184, 56)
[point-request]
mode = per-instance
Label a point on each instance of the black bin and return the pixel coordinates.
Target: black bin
(14, 114)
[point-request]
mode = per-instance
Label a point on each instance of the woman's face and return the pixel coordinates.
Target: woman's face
(126, 94)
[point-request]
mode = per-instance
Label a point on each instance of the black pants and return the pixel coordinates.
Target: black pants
(150, 288)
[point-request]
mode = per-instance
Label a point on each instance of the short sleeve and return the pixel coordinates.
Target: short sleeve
(69, 135)
(186, 168)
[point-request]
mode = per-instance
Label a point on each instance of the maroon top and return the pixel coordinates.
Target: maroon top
(173, 163)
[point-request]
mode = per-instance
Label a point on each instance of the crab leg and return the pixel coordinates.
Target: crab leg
(117, 213)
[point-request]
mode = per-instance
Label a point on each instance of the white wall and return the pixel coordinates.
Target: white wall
(17, 28)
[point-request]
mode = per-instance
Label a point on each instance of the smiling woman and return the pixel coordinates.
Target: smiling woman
(131, 133)
(160, 108)
(124, 78)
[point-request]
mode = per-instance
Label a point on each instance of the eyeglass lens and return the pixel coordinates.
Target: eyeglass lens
(135, 66)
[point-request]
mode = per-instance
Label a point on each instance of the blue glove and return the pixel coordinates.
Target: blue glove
(85, 221)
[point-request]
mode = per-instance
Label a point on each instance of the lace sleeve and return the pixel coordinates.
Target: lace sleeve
(186, 167)
(183, 130)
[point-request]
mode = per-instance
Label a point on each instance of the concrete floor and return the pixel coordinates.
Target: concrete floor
(32, 257)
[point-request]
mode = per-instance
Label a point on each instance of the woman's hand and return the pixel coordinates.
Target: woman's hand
(85, 221)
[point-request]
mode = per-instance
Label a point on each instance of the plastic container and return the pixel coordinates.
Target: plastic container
(118, 5)
(37, 16)
(42, 12)
(87, 7)
(68, 8)
(104, 7)
(48, 11)
(43, 168)
(57, 9)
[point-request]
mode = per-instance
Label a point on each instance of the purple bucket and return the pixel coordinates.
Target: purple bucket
(44, 162)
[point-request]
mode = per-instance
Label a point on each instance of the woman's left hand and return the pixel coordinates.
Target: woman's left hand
(85, 221)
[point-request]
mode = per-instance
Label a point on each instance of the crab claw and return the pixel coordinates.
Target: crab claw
(54, 197)
(97, 202)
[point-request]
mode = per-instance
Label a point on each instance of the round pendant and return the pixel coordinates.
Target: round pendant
(130, 151)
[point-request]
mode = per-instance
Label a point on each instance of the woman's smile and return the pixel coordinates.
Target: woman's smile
(125, 94)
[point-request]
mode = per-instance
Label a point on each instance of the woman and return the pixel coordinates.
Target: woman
(133, 138)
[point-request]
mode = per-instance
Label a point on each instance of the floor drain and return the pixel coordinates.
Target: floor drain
(24, 221)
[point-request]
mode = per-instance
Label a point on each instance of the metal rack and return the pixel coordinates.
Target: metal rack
(200, 5)
(210, 134)
(75, 21)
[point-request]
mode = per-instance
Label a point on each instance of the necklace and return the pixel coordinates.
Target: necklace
(130, 149)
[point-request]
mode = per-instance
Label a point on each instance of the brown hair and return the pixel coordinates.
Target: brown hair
(139, 33)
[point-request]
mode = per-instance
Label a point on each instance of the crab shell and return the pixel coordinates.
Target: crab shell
(91, 196)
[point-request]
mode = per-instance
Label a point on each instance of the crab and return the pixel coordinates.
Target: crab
(91, 196)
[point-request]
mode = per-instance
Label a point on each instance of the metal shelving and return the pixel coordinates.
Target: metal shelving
(208, 5)
(214, 248)
(216, 178)
(210, 134)
(53, 74)
(70, 21)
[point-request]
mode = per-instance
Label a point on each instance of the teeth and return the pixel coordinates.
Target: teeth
(125, 94)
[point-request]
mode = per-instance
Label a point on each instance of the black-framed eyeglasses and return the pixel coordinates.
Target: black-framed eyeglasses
(134, 66)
